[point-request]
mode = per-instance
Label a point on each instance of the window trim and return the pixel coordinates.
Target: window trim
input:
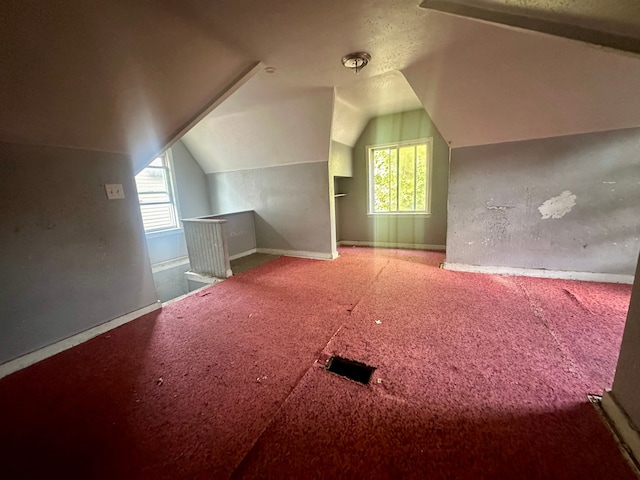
(370, 193)
(171, 191)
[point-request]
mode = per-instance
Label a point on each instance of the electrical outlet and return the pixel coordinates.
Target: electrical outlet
(114, 191)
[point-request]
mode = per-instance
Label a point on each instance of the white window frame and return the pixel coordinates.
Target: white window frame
(370, 193)
(173, 199)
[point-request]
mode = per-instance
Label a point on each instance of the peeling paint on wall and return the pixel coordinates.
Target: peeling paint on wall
(558, 207)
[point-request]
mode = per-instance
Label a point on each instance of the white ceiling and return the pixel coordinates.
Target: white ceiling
(306, 39)
(262, 126)
(125, 76)
(106, 75)
(370, 97)
(619, 17)
(483, 83)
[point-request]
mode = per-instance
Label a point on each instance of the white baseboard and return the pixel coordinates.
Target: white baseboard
(297, 253)
(622, 424)
(410, 246)
(24, 361)
(243, 254)
(540, 273)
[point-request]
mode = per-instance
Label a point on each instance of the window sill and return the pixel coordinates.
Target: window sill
(400, 215)
(164, 233)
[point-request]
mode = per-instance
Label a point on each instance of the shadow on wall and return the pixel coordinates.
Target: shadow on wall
(266, 235)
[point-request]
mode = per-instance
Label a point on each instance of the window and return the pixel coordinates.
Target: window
(155, 193)
(400, 178)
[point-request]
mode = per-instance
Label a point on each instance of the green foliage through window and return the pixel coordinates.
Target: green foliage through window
(399, 178)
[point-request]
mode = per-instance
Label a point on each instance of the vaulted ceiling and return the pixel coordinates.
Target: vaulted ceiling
(127, 76)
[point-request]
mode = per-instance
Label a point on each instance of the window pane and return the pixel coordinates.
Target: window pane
(158, 217)
(381, 180)
(154, 198)
(152, 180)
(393, 180)
(421, 177)
(399, 178)
(406, 174)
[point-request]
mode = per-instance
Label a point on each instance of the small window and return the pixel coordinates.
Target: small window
(156, 195)
(400, 178)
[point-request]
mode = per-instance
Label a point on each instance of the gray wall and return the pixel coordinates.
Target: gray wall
(496, 191)
(626, 384)
(291, 204)
(193, 201)
(240, 232)
(191, 183)
(166, 246)
(71, 259)
(356, 225)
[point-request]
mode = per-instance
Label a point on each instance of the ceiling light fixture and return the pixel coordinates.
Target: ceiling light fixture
(356, 61)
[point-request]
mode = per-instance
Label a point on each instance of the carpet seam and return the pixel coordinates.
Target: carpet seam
(282, 405)
(368, 287)
(299, 379)
(537, 313)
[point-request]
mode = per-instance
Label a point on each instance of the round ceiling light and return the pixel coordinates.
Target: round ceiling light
(356, 61)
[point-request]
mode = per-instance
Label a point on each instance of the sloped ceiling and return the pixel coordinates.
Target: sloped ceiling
(264, 124)
(371, 97)
(124, 76)
(286, 117)
(614, 24)
(106, 75)
(482, 83)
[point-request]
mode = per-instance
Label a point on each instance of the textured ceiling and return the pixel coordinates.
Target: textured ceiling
(618, 17)
(483, 83)
(358, 102)
(125, 76)
(480, 82)
(306, 39)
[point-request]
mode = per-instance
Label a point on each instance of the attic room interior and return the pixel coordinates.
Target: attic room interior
(449, 239)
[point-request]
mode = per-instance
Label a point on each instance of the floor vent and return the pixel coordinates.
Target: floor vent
(356, 371)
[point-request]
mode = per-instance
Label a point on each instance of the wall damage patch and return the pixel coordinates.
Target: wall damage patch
(558, 207)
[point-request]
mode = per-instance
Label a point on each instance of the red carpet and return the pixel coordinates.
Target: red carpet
(477, 377)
